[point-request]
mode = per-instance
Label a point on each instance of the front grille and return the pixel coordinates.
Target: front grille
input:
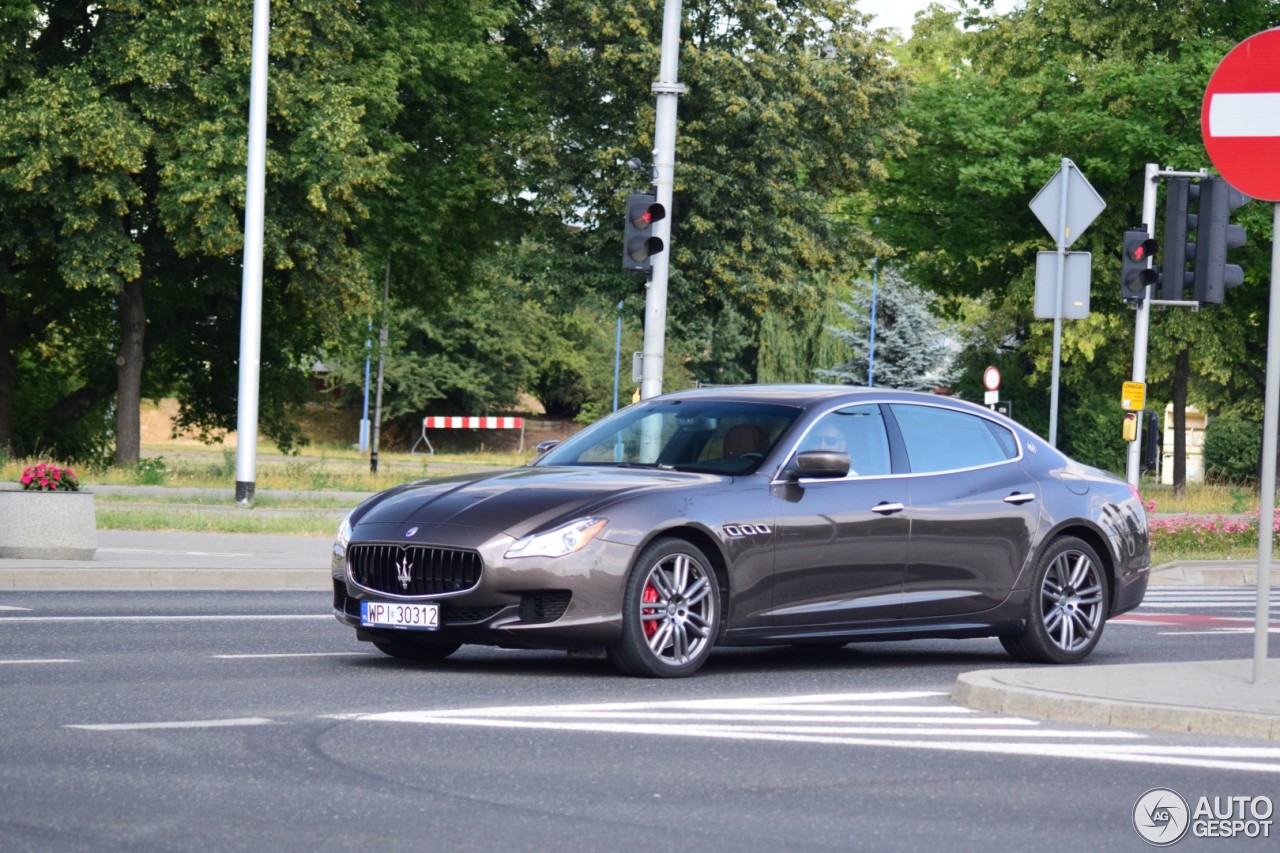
(544, 606)
(411, 570)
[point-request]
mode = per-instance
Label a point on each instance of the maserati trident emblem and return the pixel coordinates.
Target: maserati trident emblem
(404, 571)
(408, 534)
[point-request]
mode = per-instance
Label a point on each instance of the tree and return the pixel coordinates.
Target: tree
(122, 177)
(912, 348)
(788, 112)
(1112, 85)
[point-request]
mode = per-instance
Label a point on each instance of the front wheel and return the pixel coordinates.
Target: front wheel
(670, 612)
(1066, 606)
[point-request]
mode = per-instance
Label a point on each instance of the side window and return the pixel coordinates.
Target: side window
(858, 431)
(944, 440)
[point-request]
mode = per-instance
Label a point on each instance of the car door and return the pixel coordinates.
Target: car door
(841, 543)
(974, 510)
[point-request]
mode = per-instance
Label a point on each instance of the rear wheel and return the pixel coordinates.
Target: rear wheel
(670, 612)
(416, 651)
(1066, 606)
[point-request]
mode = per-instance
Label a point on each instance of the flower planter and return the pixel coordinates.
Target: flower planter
(47, 525)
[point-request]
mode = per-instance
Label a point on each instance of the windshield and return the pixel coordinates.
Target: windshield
(717, 437)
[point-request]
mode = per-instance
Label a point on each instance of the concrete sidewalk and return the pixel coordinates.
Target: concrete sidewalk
(1208, 697)
(128, 559)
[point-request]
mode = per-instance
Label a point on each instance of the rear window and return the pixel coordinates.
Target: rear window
(940, 439)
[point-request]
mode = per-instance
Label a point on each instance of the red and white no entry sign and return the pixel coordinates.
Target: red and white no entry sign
(1240, 118)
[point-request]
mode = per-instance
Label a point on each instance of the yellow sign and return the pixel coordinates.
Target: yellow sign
(1133, 396)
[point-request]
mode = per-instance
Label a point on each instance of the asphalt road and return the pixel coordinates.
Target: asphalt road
(253, 721)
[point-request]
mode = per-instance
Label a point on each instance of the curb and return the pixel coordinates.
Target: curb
(995, 691)
(157, 578)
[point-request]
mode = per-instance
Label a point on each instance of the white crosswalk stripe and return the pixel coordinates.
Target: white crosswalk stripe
(901, 720)
(1206, 597)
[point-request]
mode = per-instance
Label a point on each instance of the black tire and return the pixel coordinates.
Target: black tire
(670, 612)
(416, 651)
(1066, 605)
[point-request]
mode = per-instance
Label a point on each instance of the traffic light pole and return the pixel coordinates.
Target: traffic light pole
(668, 91)
(1143, 322)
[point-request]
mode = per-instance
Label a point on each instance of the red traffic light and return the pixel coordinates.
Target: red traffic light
(643, 213)
(1139, 250)
(639, 242)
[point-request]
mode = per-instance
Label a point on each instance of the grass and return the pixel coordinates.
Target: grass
(200, 520)
(1220, 521)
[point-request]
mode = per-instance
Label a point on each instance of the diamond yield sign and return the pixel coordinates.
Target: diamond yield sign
(1240, 118)
(1081, 205)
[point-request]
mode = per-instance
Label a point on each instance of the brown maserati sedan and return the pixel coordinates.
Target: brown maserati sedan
(753, 515)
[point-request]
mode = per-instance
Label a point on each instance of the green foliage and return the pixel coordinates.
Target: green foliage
(1232, 449)
(911, 344)
(774, 132)
(150, 471)
(1112, 85)
(122, 160)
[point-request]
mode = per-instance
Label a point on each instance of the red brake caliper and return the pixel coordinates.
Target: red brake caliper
(650, 596)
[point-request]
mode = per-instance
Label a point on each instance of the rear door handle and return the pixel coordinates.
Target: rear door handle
(886, 508)
(1019, 498)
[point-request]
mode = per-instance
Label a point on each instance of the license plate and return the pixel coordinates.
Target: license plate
(386, 614)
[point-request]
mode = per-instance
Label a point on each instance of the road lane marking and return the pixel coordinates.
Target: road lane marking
(294, 655)
(827, 720)
(11, 607)
(40, 660)
(175, 724)
(234, 617)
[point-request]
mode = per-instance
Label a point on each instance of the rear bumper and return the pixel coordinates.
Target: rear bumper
(1130, 591)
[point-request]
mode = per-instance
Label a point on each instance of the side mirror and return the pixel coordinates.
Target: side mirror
(820, 464)
(541, 449)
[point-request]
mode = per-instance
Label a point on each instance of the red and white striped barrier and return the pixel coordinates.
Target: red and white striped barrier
(466, 422)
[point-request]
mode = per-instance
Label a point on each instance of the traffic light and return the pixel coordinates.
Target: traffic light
(1179, 237)
(1136, 273)
(1217, 236)
(639, 244)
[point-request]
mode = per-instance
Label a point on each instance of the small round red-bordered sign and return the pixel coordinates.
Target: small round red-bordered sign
(991, 379)
(1240, 118)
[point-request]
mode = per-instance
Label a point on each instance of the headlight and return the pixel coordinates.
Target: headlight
(565, 539)
(344, 534)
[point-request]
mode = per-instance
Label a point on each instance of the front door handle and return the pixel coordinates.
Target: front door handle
(886, 508)
(1019, 498)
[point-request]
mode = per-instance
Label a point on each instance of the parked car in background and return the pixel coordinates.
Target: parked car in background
(753, 515)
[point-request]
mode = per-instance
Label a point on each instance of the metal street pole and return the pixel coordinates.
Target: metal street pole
(1142, 323)
(617, 357)
(1267, 494)
(1062, 243)
(251, 287)
(382, 352)
(668, 91)
(871, 348)
(364, 415)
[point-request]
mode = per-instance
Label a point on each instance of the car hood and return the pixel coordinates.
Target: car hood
(519, 501)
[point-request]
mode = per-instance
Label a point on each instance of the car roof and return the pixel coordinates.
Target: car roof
(805, 395)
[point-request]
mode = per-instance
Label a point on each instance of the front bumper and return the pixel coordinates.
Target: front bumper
(563, 603)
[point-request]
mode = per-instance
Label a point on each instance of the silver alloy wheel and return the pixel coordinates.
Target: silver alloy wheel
(677, 609)
(1072, 600)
